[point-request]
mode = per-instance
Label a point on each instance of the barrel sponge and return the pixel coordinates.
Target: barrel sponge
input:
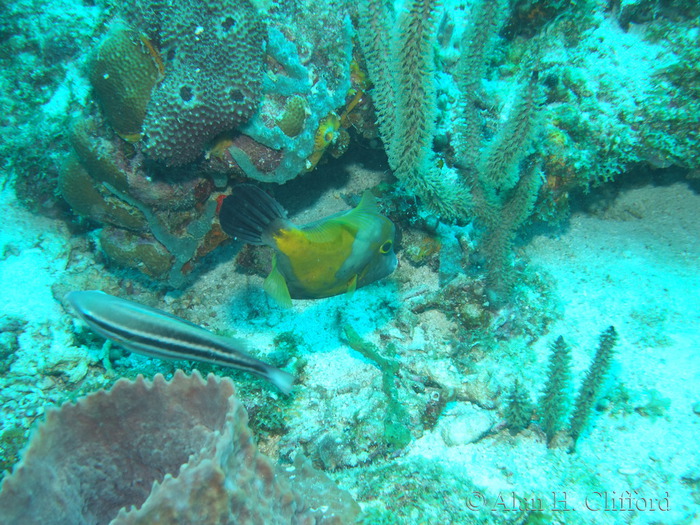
(213, 54)
(123, 71)
(160, 452)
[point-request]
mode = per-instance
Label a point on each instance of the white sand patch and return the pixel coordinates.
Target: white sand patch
(636, 268)
(34, 253)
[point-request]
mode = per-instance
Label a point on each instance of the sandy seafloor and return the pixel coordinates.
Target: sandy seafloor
(633, 263)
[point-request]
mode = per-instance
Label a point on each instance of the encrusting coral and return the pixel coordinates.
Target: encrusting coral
(290, 133)
(124, 69)
(162, 452)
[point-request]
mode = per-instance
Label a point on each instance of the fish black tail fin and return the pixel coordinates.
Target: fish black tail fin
(248, 213)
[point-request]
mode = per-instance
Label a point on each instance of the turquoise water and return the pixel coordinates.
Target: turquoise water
(532, 357)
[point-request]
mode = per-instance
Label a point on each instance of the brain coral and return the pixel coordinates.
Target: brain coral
(176, 452)
(213, 53)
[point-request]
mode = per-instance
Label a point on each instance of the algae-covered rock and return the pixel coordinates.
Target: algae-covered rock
(80, 190)
(464, 424)
(97, 155)
(138, 251)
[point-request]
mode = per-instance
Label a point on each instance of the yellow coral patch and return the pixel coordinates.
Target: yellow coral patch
(326, 134)
(292, 120)
(155, 54)
(220, 146)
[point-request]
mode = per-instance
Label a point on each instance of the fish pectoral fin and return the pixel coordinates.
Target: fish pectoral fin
(276, 286)
(352, 286)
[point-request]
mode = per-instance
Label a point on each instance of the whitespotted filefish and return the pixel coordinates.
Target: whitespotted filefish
(328, 257)
(156, 333)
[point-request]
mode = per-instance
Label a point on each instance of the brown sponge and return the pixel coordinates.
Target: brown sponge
(162, 452)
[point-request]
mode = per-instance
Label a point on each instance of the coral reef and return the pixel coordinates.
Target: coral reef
(213, 64)
(577, 118)
(308, 79)
(157, 227)
(174, 83)
(162, 452)
(461, 75)
(459, 127)
(509, 108)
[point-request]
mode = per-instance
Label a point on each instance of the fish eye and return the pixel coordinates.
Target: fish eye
(386, 247)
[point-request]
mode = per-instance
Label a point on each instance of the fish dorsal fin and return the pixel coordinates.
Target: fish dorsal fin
(324, 231)
(368, 203)
(364, 214)
(276, 286)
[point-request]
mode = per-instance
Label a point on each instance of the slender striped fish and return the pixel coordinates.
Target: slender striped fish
(155, 333)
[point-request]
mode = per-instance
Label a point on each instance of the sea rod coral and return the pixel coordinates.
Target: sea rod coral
(162, 452)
